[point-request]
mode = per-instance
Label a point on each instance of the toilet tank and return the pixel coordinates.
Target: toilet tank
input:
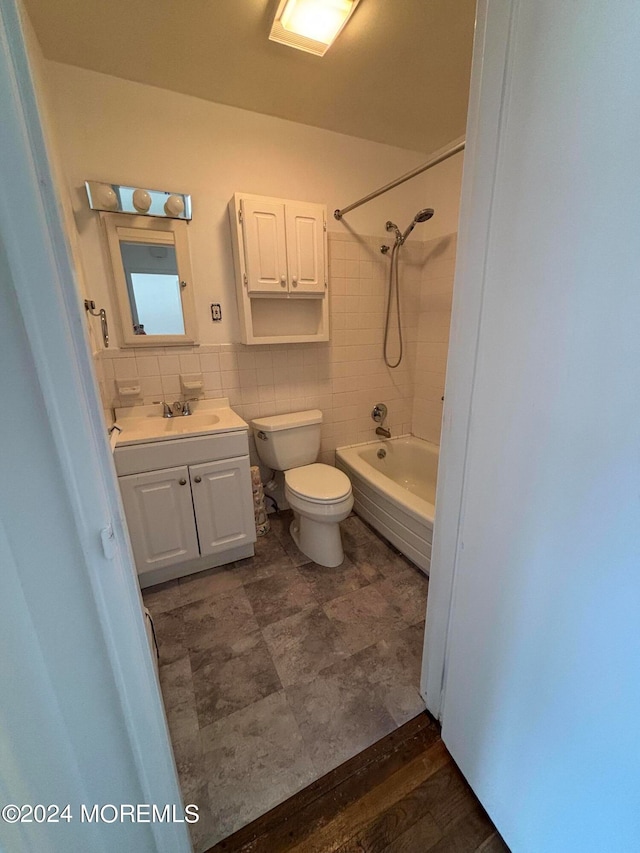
(288, 441)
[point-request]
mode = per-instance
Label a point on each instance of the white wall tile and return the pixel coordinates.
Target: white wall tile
(147, 365)
(151, 386)
(265, 375)
(228, 361)
(212, 382)
(209, 362)
(266, 393)
(246, 360)
(169, 365)
(230, 379)
(171, 386)
(125, 368)
(189, 364)
(343, 378)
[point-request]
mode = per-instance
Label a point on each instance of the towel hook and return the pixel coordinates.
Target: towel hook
(90, 306)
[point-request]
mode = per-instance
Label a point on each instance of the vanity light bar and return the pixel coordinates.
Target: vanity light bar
(118, 198)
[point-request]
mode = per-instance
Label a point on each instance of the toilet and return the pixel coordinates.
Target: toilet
(319, 495)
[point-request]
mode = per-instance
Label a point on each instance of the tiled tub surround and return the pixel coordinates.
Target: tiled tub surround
(432, 338)
(345, 377)
(275, 670)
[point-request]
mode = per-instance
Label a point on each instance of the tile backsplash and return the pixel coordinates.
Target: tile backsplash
(344, 377)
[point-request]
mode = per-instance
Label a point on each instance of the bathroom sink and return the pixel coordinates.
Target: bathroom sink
(180, 424)
(145, 423)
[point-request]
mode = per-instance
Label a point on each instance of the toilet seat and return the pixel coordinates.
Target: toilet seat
(318, 483)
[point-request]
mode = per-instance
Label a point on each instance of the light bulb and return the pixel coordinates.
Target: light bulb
(319, 20)
(106, 197)
(174, 206)
(141, 201)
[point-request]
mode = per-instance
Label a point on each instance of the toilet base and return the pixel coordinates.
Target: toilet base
(319, 541)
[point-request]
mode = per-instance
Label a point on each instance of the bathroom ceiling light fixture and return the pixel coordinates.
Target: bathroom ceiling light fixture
(311, 25)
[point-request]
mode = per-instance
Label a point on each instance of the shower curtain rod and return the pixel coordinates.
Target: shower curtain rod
(407, 177)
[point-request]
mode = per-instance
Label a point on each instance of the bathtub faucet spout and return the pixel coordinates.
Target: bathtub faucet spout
(385, 433)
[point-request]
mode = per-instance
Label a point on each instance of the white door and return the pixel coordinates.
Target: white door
(223, 504)
(160, 518)
(305, 248)
(265, 246)
(76, 630)
(542, 694)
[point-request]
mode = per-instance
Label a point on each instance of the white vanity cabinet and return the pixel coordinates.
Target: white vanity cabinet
(184, 518)
(160, 518)
(280, 256)
(223, 504)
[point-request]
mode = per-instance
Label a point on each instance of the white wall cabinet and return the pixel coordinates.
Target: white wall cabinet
(186, 518)
(263, 226)
(305, 229)
(280, 256)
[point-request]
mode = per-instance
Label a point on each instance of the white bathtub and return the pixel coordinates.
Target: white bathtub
(395, 493)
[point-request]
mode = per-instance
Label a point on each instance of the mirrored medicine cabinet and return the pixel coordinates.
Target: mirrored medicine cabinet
(152, 279)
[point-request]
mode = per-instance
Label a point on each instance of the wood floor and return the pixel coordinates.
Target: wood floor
(404, 794)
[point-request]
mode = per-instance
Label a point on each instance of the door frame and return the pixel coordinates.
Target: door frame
(494, 20)
(43, 285)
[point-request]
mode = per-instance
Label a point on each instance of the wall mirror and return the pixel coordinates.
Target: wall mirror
(152, 280)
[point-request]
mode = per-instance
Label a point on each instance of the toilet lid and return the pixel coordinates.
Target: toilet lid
(318, 482)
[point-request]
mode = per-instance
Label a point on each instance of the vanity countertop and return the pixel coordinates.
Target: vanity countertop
(141, 424)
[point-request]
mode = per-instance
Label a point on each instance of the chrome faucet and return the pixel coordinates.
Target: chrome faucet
(184, 407)
(166, 410)
(379, 415)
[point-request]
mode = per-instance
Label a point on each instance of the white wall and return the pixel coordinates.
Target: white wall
(542, 695)
(46, 110)
(440, 189)
(112, 129)
(81, 718)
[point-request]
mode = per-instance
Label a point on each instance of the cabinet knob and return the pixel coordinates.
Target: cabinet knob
(283, 281)
(182, 481)
(198, 479)
(294, 281)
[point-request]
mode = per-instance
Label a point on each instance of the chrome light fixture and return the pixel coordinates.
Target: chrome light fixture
(119, 198)
(311, 25)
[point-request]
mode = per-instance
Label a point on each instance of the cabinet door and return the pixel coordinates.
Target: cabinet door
(264, 246)
(223, 503)
(160, 519)
(305, 248)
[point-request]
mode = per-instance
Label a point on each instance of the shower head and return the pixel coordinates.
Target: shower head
(424, 214)
(421, 216)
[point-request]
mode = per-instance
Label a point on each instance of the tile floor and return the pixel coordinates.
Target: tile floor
(275, 670)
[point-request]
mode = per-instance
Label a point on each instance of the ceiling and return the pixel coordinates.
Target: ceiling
(398, 73)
